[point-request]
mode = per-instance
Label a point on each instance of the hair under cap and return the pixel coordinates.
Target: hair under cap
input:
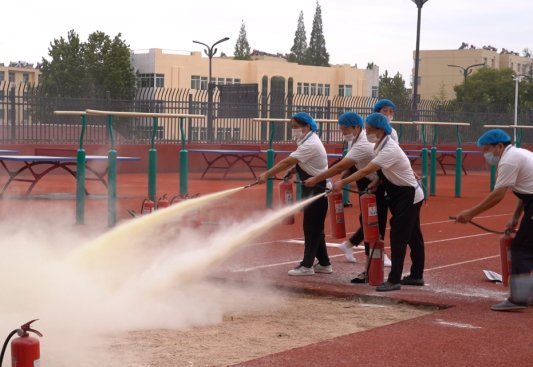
(350, 119)
(379, 121)
(494, 136)
(305, 118)
(384, 103)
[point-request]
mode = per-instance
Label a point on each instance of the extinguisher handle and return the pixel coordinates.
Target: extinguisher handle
(25, 328)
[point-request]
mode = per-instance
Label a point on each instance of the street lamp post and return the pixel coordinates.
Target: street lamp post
(419, 5)
(517, 79)
(210, 51)
(468, 70)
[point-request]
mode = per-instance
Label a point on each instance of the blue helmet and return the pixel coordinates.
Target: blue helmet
(493, 136)
(384, 103)
(350, 119)
(305, 118)
(379, 121)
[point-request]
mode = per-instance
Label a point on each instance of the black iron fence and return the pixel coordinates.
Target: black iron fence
(26, 116)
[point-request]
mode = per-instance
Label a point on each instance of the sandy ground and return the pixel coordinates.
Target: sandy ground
(294, 321)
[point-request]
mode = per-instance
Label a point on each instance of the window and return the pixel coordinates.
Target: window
(326, 89)
(299, 88)
(229, 81)
(224, 133)
(2, 76)
(11, 77)
(345, 90)
(195, 82)
(313, 89)
(25, 78)
(375, 92)
(320, 89)
(198, 133)
(219, 81)
(237, 81)
(203, 83)
(306, 89)
(151, 80)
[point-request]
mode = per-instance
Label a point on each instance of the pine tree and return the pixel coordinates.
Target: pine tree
(317, 54)
(242, 48)
(300, 42)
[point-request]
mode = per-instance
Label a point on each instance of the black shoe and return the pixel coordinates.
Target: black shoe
(388, 286)
(409, 280)
(360, 278)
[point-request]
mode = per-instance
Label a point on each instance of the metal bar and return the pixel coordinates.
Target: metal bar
(184, 162)
(112, 177)
(80, 176)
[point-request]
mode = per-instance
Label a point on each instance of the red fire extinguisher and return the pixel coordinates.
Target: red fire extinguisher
(25, 351)
(286, 198)
(336, 215)
(147, 206)
(505, 256)
(163, 202)
(375, 267)
(369, 213)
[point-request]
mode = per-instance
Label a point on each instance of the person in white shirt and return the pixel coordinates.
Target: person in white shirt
(360, 153)
(309, 159)
(405, 197)
(387, 108)
(515, 172)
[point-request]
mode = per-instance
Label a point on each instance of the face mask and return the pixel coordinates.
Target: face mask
(372, 138)
(349, 137)
(491, 159)
(390, 118)
(297, 134)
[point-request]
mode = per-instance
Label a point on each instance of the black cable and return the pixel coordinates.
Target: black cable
(482, 227)
(5, 345)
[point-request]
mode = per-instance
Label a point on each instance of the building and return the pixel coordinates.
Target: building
(437, 79)
(13, 81)
(272, 73)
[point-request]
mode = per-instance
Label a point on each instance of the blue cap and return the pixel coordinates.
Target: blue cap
(305, 118)
(384, 103)
(494, 136)
(379, 121)
(350, 119)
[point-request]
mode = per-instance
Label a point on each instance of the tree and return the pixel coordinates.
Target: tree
(393, 88)
(242, 48)
(89, 69)
(65, 74)
(316, 54)
(300, 42)
(487, 86)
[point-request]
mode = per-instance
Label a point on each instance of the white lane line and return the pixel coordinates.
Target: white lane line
(462, 263)
(457, 324)
(301, 242)
(458, 238)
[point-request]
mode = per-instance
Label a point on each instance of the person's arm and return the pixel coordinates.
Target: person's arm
(282, 165)
(491, 200)
(365, 171)
(344, 164)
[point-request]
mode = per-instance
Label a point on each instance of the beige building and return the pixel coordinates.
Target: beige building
(437, 78)
(161, 68)
(15, 77)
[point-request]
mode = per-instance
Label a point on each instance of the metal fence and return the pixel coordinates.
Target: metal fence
(26, 116)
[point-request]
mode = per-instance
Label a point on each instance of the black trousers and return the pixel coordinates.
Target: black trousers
(313, 226)
(522, 246)
(405, 230)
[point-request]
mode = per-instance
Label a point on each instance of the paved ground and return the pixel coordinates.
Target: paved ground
(463, 332)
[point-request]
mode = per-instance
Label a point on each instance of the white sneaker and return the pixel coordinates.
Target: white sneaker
(386, 261)
(346, 247)
(301, 270)
(328, 269)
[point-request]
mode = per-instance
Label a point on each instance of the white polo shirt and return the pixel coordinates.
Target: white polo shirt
(311, 154)
(361, 151)
(396, 166)
(515, 170)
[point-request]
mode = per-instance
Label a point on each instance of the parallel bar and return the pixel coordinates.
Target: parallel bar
(152, 164)
(140, 114)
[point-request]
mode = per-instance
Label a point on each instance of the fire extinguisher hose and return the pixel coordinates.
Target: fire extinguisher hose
(482, 227)
(5, 345)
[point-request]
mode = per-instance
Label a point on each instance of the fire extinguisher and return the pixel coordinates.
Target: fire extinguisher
(375, 266)
(369, 213)
(336, 214)
(25, 351)
(505, 256)
(163, 202)
(286, 198)
(147, 206)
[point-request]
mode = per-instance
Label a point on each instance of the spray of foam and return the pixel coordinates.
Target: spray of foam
(40, 280)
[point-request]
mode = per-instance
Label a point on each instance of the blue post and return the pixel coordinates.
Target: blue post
(184, 163)
(433, 165)
(270, 164)
(80, 176)
(458, 164)
(152, 164)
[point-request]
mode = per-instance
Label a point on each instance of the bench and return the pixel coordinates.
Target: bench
(227, 155)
